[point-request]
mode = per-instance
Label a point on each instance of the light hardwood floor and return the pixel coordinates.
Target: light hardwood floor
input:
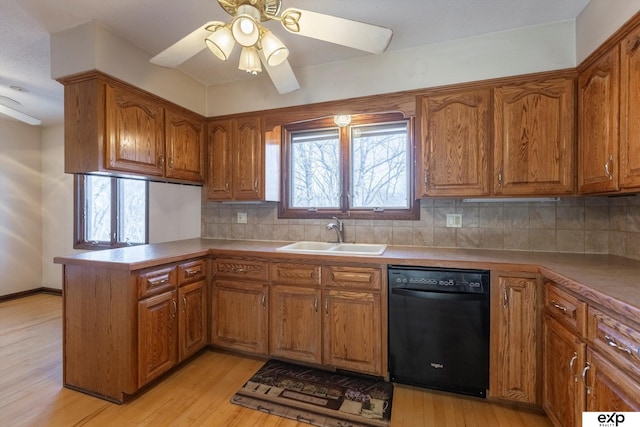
(31, 392)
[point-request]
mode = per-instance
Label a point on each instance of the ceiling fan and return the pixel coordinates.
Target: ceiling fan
(261, 46)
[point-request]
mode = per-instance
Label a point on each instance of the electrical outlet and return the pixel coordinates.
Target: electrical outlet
(454, 220)
(242, 217)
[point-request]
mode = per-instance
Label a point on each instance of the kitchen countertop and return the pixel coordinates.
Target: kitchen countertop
(610, 281)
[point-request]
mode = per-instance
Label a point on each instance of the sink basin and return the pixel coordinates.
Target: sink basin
(334, 248)
(307, 247)
(359, 249)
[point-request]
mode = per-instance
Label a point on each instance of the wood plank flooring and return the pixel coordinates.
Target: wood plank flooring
(31, 392)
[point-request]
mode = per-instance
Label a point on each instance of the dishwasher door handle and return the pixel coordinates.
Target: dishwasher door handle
(450, 296)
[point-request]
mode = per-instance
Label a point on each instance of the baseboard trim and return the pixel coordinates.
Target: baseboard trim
(22, 294)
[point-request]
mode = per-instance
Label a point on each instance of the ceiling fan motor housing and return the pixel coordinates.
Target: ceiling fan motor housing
(266, 8)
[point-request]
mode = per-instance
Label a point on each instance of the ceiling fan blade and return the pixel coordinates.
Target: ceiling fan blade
(185, 48)
(281, 75)
(345, 32)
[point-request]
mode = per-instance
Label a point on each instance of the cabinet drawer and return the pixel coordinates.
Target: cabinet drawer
(295, 274)
(353, 277)
(242, 269)
(156, 281)
(616, 339)
(192, 271)
(568, 309)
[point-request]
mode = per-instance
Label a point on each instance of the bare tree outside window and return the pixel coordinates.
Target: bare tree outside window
(359, 171)
(110, 212)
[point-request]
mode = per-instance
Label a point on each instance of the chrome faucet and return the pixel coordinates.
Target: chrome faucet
(338, 226)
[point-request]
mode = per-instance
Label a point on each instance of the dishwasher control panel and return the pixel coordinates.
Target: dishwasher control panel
(433, 279)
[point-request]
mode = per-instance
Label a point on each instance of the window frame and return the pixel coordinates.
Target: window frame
(344, 211)
(79, 216)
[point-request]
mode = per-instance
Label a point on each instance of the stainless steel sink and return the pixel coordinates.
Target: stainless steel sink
(334, 248)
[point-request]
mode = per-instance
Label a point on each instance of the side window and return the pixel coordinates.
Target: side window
(359, 170)
(110, 212)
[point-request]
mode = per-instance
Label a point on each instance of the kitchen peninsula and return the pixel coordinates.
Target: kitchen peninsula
(132, 314)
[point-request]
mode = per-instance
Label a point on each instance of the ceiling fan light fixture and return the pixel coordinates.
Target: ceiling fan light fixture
(274, 50)
(250, 60)
(220, 43)
(245, 26)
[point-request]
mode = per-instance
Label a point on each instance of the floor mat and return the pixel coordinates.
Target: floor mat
(317, 397)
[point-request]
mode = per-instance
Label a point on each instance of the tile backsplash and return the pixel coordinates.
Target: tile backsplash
(573, 224)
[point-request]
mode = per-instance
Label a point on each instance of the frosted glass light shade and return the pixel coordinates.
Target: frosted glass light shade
(245, 30)
(250, 60)
(274, 50)
(220, 43)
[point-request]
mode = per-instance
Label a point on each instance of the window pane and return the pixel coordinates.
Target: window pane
(315, 169)
(98, 208)
(132, 205)
(380, 165)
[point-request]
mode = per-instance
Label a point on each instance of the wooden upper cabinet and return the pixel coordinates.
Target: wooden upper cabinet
(248, 159)
(114, 128)
(534, 134)
(453, 153)
(598, 115)
(238, 152)
(184, 145)
(219, 160)
(134, 132)
(630, 111)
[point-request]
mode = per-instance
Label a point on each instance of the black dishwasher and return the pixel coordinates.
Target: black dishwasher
(439, 328)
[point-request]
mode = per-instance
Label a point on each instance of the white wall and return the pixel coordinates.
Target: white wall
(598, 21)
(506, 53)
(20, 207)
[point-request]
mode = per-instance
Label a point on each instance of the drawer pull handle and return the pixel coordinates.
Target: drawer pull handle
(239, 270)
(194, 272)
(571, 362)
(160, 282)
(613, 343)
(560, 307)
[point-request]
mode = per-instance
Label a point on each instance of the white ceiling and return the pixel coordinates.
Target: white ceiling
(153, 25)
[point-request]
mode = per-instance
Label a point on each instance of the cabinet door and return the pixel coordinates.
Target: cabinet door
(608, 388)
(185, 146)
(630, 111)
(134, 133)
(453, 154)
(598, 115)
(239, 316)
(193, 319)
(352, 332)
(513, 359)
(219, 160)
(295, 323)
(248, 166)
(534, 138)
(563, 359)
(157, 336)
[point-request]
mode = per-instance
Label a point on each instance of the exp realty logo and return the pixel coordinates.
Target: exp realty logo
(610, 419)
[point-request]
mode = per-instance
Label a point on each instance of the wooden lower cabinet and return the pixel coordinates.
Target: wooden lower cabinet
(352, 331)
(157, 336)
(563, 360)
(514, 338)
(295, 323)
(192, 331)
(609, 389)
(239, 316)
